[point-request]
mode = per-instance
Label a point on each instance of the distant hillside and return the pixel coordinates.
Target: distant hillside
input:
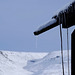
(31, 63)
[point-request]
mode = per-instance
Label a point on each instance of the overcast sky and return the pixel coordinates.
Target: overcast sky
(20, 18)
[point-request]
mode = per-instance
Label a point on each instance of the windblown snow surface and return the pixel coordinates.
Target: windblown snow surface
(31, 63)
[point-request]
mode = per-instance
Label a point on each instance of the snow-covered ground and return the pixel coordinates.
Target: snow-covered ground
(31, 63)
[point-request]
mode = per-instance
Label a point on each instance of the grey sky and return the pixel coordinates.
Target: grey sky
(20, 18)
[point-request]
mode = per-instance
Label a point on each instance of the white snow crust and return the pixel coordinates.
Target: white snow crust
(64, 7)
(31, 63)
(47, 24)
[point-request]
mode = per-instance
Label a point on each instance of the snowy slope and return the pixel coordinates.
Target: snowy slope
(12, 63)
(28, 63)
(49, 65)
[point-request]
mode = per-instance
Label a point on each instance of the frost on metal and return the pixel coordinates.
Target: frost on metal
(65, 17)
(67, 6)
(45, 27)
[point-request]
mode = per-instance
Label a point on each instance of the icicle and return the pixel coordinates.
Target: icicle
(36, 44)
(62, 61)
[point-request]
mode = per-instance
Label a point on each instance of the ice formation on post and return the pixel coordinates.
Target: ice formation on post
(65, 17)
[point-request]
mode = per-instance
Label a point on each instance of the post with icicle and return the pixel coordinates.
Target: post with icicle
(66, 18)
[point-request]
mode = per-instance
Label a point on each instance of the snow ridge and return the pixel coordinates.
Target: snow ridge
(28, 63)
(49, 65)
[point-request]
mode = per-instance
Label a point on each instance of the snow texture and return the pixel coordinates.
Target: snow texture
(65, 7)
(28, 63)
(56, 16)
(12, 63)
(47, 24)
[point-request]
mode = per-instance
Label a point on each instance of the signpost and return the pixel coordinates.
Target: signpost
(73, 53)
(66, 17)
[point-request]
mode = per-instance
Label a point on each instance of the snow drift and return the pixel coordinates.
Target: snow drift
(49, 65)
(28, 63)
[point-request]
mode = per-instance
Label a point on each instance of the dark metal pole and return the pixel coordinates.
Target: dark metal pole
(73, 53)
(51, 24)
(68, 14)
